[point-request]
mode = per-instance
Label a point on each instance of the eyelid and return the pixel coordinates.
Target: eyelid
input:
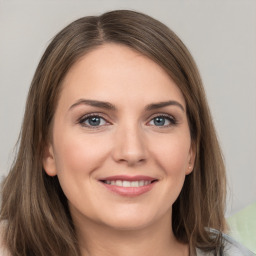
(82, 119)
(171, 118)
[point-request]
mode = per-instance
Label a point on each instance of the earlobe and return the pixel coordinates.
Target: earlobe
(191, 162)
(49, 161)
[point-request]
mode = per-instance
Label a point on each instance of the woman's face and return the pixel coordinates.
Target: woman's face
(121, 144)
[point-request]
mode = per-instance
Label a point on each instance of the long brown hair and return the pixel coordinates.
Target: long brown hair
(34, 209)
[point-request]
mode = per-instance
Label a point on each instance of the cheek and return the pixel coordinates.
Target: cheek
(78, 154)
(173, 155)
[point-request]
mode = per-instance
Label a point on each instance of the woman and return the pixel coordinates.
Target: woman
(118, 154)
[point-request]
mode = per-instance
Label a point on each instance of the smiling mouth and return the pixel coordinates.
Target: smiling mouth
(128, 184)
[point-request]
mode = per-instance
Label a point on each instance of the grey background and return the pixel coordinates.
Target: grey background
(221, 36)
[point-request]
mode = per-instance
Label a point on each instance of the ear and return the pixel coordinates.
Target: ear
(191, 158)
(49, 161)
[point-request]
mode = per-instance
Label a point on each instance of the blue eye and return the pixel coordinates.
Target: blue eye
(93, 121)
(162, 121)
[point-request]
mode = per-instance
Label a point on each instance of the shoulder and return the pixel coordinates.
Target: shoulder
(230, 247)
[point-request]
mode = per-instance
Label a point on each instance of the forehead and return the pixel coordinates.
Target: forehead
(113, 71)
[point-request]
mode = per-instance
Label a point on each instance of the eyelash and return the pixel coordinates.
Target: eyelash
(83, 119)
(170, 118)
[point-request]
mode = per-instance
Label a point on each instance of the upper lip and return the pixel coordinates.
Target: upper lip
(128, 178)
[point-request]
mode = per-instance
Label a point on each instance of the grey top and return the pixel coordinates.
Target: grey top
(231, 248)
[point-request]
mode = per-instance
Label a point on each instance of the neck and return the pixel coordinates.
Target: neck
(156, 239)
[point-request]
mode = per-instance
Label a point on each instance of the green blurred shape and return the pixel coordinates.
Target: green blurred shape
(243, 226)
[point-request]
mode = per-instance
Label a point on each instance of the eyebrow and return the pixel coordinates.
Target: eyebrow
(109, 106)
(164, 104)
(94, 103)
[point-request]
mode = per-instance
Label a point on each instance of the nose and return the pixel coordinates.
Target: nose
(129, 146)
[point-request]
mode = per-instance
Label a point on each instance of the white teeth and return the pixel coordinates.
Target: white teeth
(135, 184)
(127, 184)
(119, 183)
(141, 183)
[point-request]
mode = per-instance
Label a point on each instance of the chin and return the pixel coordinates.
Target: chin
(129, 226)
(129, 222)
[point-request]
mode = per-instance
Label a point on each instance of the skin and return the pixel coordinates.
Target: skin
(127, 141)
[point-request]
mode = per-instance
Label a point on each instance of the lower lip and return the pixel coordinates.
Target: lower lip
(129, 191)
